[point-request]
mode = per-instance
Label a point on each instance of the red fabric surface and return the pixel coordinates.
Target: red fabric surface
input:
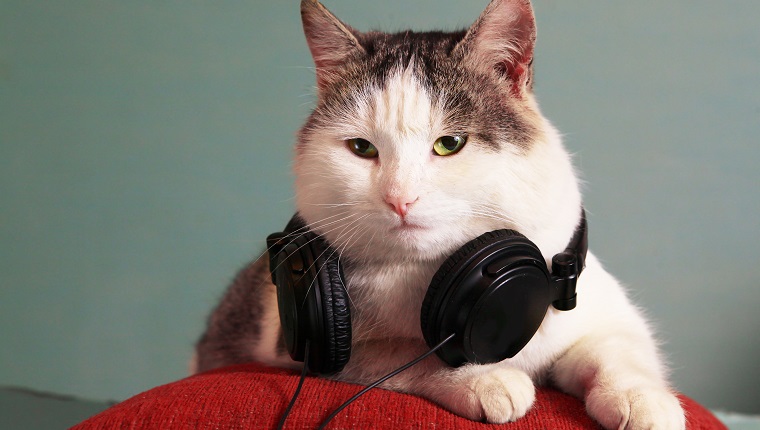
(252, 396)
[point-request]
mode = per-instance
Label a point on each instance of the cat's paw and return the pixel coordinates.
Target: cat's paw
(497, 395)
(636, 408)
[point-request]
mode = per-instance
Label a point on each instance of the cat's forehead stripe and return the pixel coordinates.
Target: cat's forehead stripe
(403, 105)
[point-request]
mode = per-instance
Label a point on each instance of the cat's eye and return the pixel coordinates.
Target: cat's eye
(362, 147)
(448, 145)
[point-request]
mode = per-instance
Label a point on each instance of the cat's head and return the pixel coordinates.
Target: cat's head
(421, 141)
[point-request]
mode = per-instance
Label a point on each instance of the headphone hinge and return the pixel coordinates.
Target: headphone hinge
(565, 277)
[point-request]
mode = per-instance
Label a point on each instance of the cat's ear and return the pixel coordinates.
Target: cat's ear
(501, 41)
(331, 42)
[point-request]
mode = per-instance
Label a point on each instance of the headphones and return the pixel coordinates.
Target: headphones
(492, 294)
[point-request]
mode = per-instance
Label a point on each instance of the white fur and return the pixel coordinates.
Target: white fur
(603, 351)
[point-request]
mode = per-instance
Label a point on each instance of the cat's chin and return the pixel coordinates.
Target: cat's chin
(412, 241)
(411, 238)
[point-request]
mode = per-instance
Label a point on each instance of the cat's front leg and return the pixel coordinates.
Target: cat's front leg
(621, 381)
(494, 393)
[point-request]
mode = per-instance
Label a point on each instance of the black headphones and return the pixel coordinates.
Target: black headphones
(492, 294)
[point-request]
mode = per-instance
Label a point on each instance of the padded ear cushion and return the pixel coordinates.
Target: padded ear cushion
(431, 305)
(320, 310)
(336, 315)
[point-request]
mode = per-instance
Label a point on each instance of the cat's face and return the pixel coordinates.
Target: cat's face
(422, 141)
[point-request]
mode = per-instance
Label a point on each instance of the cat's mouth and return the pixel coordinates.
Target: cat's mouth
(406, 226)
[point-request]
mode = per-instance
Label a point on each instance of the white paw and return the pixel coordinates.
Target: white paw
(496, 395)
(636, 408)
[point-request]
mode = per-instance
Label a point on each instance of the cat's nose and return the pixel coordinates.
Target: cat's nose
(400, 204)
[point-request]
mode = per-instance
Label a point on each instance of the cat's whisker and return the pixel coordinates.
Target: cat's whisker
(299, 67)
(321, 222)
(339, 226)
(334, 205)
(314, 224)
(353, 226)
(300, 231)
(320, 225)
(369, 243)
(354, 237)
(298, 249)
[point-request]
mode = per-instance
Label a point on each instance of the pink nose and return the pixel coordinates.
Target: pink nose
(400, 204)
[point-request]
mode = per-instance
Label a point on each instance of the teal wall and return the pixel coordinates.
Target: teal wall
(144, 155)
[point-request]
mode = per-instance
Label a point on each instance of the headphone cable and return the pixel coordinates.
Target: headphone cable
(305, 370)
(383, 379)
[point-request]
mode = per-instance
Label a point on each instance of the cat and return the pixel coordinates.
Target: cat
(419, 142)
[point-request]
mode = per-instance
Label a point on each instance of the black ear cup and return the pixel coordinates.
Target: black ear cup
(452, 264)
(312, 300)
(492, 293)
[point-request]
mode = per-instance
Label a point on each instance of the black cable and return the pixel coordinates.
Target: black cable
(305, 370)
(383, 379)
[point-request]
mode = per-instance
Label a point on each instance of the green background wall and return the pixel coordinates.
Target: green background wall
(144, 156)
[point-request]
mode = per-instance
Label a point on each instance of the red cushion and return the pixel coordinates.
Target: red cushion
(252, 396)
